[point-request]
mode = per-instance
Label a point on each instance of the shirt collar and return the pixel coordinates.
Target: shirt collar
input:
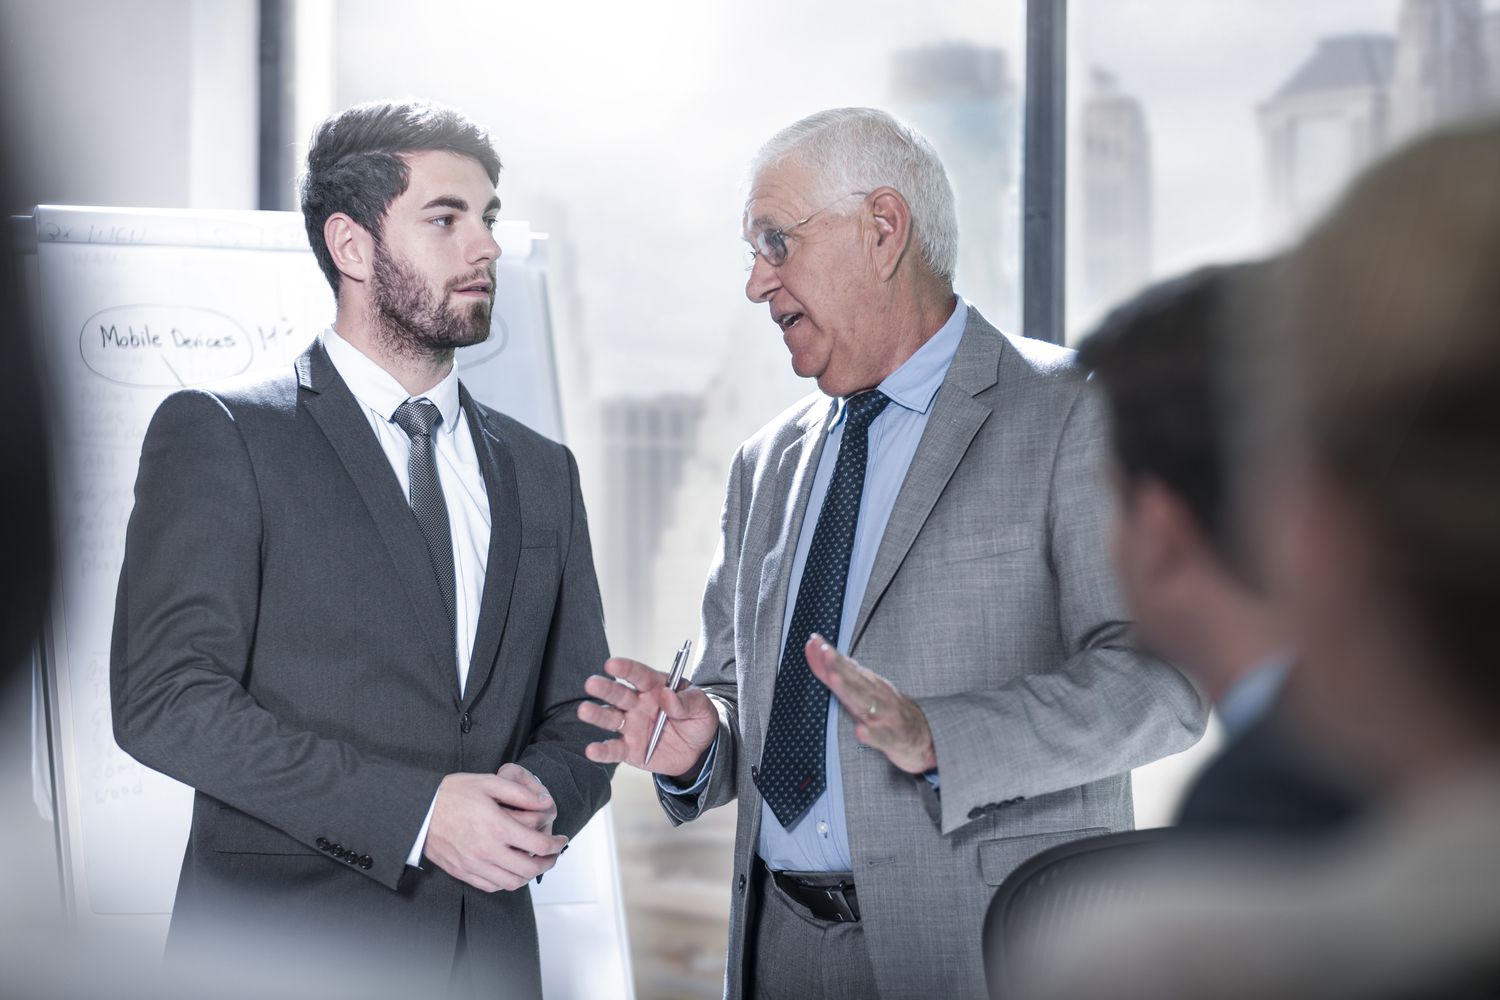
(1251, 696)
(378, 389)
(916, 383)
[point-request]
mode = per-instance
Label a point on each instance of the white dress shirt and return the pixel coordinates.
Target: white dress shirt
(379, 394)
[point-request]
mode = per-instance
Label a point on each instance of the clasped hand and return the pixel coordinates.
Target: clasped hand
(494, 831)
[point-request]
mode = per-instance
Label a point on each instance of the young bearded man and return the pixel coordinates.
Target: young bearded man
(358, 607)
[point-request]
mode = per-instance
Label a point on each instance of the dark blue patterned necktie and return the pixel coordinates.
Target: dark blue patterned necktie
(791, 773)
(417, 417)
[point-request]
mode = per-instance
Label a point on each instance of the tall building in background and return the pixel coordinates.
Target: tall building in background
(1117, 200)
(643, 446)
(960, 96)
(1440, 65)
(1491, 46)
(1358, 96)
(1330, 118)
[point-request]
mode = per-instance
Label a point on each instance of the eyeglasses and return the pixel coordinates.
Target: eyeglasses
(770, 244)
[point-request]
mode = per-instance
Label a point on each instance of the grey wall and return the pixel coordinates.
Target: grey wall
(147, 103)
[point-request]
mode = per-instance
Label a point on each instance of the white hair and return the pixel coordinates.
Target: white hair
(861, 149)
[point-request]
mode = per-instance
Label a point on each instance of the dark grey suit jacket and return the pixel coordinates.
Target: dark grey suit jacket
(279, 645)
(1266, 781)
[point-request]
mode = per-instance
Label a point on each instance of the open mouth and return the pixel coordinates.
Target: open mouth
(475, 288)
(788, 320)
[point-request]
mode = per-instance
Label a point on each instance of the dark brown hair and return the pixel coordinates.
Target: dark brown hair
(1158, 359)
(355, 166)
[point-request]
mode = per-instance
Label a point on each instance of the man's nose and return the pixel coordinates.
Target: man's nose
(763, 280)
(484, 248)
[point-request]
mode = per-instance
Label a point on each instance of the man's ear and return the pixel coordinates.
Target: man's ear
(1169, 541)
(890, 219)
(350, 245)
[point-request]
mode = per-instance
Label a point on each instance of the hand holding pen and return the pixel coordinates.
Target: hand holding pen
(662, 724)
(674, 683)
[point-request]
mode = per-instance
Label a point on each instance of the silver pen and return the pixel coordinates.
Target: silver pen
(679, 665)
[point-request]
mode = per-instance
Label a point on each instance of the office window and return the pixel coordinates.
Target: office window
(1212, 132)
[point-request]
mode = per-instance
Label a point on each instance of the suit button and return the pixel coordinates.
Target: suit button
(465, 723)
(739, 884)
(976, 812)
(365, 862)
(335, 849)
(754, 773)
(322, 843)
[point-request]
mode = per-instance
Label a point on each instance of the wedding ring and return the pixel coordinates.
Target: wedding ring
(622, 723)
(871, 713)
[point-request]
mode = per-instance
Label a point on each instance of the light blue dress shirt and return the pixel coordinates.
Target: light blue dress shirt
(819, 841)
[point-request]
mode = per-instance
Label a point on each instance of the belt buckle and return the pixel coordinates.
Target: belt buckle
(841, 908)
(826, 902)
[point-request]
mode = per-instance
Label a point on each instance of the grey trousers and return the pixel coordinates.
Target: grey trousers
(798, 957)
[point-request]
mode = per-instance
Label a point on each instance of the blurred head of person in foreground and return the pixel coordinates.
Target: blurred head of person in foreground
(1155, 358)
(1160, 360)
(1366, 489)
(1372, 485)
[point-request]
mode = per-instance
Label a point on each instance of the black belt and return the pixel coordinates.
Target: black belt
(826, 895)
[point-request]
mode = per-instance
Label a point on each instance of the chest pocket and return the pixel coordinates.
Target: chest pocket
(985, 543)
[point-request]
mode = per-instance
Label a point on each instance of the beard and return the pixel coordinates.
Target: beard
(415, 322)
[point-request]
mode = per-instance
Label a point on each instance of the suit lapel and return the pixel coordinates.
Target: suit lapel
(794, 477)
(337, 413)
(499, 470)
(956, 417)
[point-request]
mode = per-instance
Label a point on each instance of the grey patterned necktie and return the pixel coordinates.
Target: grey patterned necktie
(418, 417)
(791, 773)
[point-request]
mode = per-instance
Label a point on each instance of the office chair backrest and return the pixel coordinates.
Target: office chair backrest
(1039, 905)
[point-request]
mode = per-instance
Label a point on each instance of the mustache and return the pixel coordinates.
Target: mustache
(483, 274)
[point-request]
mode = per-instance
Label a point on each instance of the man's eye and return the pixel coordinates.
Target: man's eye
(772, 244)
(443, 220)
(490, 224)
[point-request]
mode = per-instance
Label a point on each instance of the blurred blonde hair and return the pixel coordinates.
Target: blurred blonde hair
(1385, 333)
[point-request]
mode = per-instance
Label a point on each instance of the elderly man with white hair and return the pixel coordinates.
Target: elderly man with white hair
(938, 511)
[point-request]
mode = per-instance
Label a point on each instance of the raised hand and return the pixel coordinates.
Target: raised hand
(632, 694)
(884, 718)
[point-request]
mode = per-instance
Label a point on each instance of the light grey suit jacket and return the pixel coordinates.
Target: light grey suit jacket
(992, 603)
(279, 645)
